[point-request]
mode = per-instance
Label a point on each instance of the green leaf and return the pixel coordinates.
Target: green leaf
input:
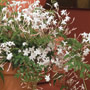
(88, 75)
(82, 72)
(54, 82)
(17, 75)
(1, 69)
(71, 66)
(67, 56)
(2, 77)
(63, 86)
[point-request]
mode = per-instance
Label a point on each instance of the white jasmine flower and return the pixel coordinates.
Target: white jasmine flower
(37, 51)
(86, 52)
(26, 52)
(24, 44)
(19, 51)
(43, 26)
(9, 56)
(39, 58)
(10, 21)
(36, 3)
(50, 19)
(5, 18)
(46, 13)
(84, 41)
(83, 58)
(31, 49)
(84, 34)
(4, 9)
(35, 26)
(66, 53)
(63, 22)
(32, 56)
(46, 62)
(58, 62)
(88, 38)
(59, 51)
(64, 12)
(3, 45)
(10, 43)
(6, 44)
(44, 54)
(61, 28)
(47, 78)
(67, 18)
(54, 22)
(56, 5)
(64, 43)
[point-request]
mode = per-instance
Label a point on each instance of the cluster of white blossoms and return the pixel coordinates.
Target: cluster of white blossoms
(6, 47)
(42, 21)
(86, 37)
(35, 15)
(27, 25)
(61, 52)
(86, 51)
(40, 54)
(86, 42)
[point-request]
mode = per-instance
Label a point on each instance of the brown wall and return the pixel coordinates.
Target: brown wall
(82, 20)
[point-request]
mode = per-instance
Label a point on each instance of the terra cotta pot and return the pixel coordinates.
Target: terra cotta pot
(10, 81)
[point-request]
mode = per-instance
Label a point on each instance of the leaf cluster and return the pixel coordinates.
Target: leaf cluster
(29, 71)
(75, 57)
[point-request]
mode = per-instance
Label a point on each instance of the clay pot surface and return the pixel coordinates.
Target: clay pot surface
(10, 81)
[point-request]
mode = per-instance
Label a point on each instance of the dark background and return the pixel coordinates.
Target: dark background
(83, 4)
